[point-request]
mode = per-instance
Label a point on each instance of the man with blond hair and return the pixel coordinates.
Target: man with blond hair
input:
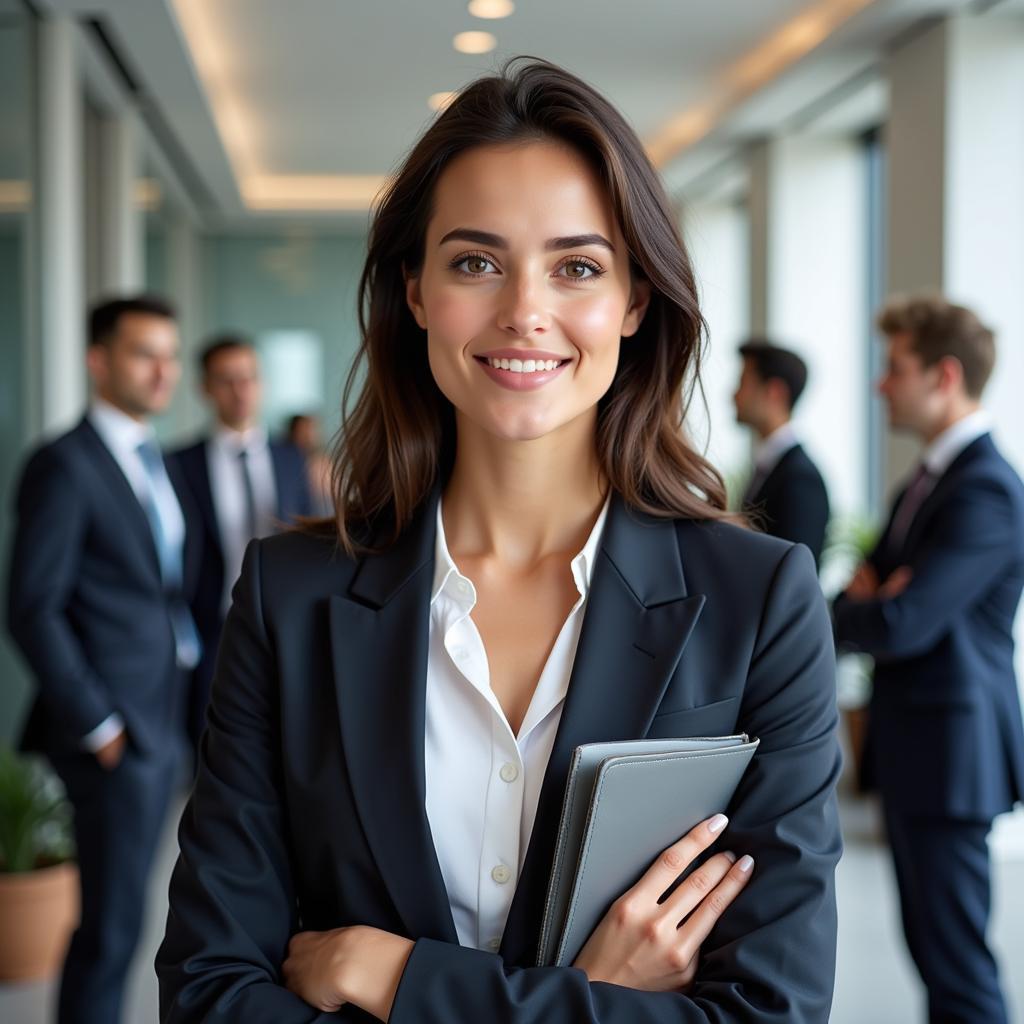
(934, 604)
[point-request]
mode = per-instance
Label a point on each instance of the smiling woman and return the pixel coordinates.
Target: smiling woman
(527, 555)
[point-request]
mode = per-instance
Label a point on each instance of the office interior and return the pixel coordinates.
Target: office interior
(822, 156)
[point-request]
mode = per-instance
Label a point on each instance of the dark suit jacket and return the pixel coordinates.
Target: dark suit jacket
(292, 484)
(308, 811)
(945, 735)
(792, 502)
(86, 603)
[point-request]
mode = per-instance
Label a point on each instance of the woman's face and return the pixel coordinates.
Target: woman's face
(525, 289)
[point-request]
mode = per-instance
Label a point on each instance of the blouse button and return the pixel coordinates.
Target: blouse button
(509, 772)
(501, 874)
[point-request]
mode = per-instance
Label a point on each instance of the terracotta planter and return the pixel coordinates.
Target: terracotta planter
(38, 913)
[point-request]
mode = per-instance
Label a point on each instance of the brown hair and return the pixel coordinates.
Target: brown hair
(222, 343)
(939, 330)
(399, 438)
(105, 316)
(774, 363)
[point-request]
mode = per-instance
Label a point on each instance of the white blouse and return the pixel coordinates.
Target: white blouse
(483, 782)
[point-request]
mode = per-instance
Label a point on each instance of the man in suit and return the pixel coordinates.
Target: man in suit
(934, 604)
(786, 496)
(96, 603)
(243, 485)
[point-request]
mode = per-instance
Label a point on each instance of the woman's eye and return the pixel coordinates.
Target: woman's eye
(579, 271)
(475, 265)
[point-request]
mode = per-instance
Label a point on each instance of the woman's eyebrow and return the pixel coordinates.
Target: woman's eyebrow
(551, 245)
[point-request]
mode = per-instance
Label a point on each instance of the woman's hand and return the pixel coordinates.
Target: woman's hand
(645, 944)
(313, 968)
(359, 965)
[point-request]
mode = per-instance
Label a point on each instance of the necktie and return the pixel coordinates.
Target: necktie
(918, 489)
(169, 555)
(251, 528)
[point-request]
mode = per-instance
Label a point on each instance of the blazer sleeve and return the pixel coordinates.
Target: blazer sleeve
(51, 528)
(965, 553)
(771, 958)
(232, 901)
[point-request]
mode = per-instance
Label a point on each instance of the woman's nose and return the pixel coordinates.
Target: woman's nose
(523, 310)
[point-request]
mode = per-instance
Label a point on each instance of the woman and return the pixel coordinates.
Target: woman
(396, 702)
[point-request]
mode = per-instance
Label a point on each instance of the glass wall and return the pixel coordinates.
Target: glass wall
(16, 204)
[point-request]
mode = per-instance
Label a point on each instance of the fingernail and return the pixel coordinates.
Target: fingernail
(730, 856)
(746, 863)
(717, 823)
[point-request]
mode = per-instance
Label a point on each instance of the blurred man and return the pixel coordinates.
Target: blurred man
(304, 433)
(243, 486)
(96, 603)
(786, 496)
(935, 604)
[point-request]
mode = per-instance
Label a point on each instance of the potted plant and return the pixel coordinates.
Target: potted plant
(38, 878)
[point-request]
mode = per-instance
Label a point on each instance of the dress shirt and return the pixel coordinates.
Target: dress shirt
(122, 436)
(939, 455)
(483, 782)
(227, 488)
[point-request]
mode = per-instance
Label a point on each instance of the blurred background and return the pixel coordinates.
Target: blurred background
(821, 155)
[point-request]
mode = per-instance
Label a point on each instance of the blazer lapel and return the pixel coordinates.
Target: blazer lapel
(197, 469)
(943, 486)
(122, 494)
(380, 636)
(638, 619)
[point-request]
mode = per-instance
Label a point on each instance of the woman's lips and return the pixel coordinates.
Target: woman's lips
(514, 380)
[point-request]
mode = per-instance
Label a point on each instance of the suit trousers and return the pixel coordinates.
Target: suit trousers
(942, 870)
(118, 817)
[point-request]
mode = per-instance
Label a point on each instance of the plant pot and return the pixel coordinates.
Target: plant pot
(38, 912)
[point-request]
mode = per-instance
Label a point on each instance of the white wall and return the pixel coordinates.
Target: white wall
(716, 234)
(808, 258)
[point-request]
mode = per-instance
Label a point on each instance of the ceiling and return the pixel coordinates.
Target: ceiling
(304, 105)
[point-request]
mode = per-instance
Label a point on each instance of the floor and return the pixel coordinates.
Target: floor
(875, 983)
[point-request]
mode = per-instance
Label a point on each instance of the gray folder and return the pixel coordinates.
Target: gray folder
(625, 802)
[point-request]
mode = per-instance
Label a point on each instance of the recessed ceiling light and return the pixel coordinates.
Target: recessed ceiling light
(441, 100)
(474, 42)
(491, 8)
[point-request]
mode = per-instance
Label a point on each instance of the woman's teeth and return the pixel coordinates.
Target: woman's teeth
(524, 365)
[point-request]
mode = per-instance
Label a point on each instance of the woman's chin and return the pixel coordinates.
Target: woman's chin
(520, 428)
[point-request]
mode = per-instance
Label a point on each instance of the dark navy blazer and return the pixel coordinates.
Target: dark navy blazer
(945, 735)
(792, 502)
(308, 810)
(291, 482)
(86, 603)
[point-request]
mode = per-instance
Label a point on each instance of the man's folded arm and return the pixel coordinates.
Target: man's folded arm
(965, 554)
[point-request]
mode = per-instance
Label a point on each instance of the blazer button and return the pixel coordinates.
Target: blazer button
(501, 874)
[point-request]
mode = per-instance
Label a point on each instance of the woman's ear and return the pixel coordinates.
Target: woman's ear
(639, 299)
(412, 298)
